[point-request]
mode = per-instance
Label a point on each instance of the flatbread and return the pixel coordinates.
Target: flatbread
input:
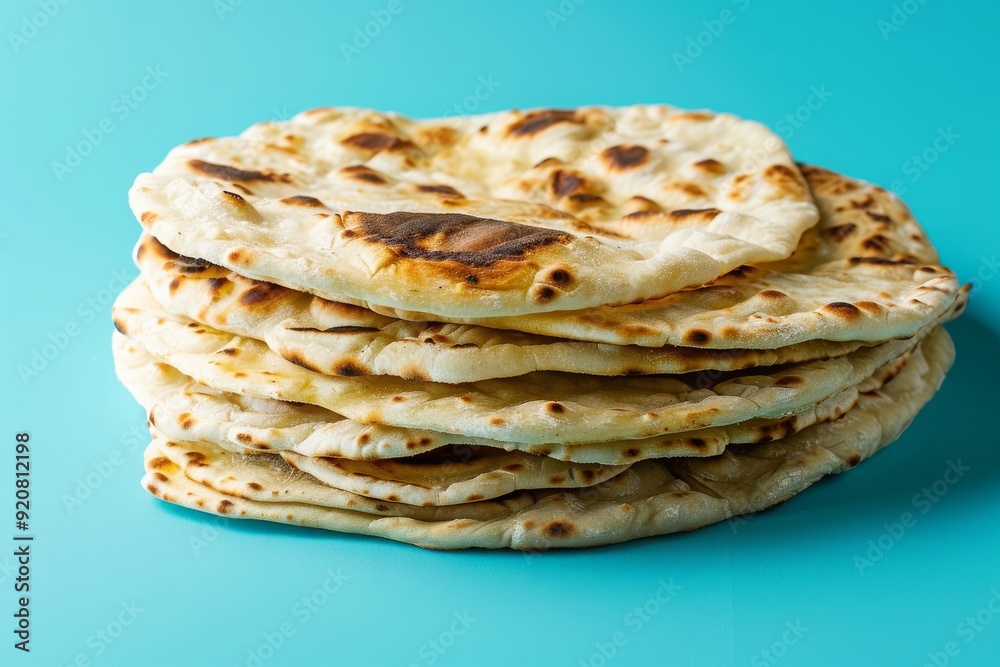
(186, 410)
(482, 216)
(537, 408)
(650, 498)
(867, 272)
(268, 479)
(451, 475)
(342, 339)
(445, 475)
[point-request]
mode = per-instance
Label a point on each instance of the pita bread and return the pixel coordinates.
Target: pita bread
(650, 498)
(536, 408)
(185, 410)
(482, 216)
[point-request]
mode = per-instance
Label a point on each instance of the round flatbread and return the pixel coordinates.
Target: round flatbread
(451, 475)
(483, 216)
(268, 479)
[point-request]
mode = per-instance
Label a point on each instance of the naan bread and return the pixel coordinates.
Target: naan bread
(536, 408)
(650, 498)
(483, 216)
(186, 410)
(866, 272)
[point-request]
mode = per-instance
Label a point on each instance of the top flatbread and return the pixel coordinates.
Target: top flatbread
(483, 216)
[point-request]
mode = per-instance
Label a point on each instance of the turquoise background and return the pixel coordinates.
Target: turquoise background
(211, 590)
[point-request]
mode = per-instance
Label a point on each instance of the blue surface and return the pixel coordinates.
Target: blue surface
(210, 592)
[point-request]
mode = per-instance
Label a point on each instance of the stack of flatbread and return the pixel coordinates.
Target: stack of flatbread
(555, 328)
